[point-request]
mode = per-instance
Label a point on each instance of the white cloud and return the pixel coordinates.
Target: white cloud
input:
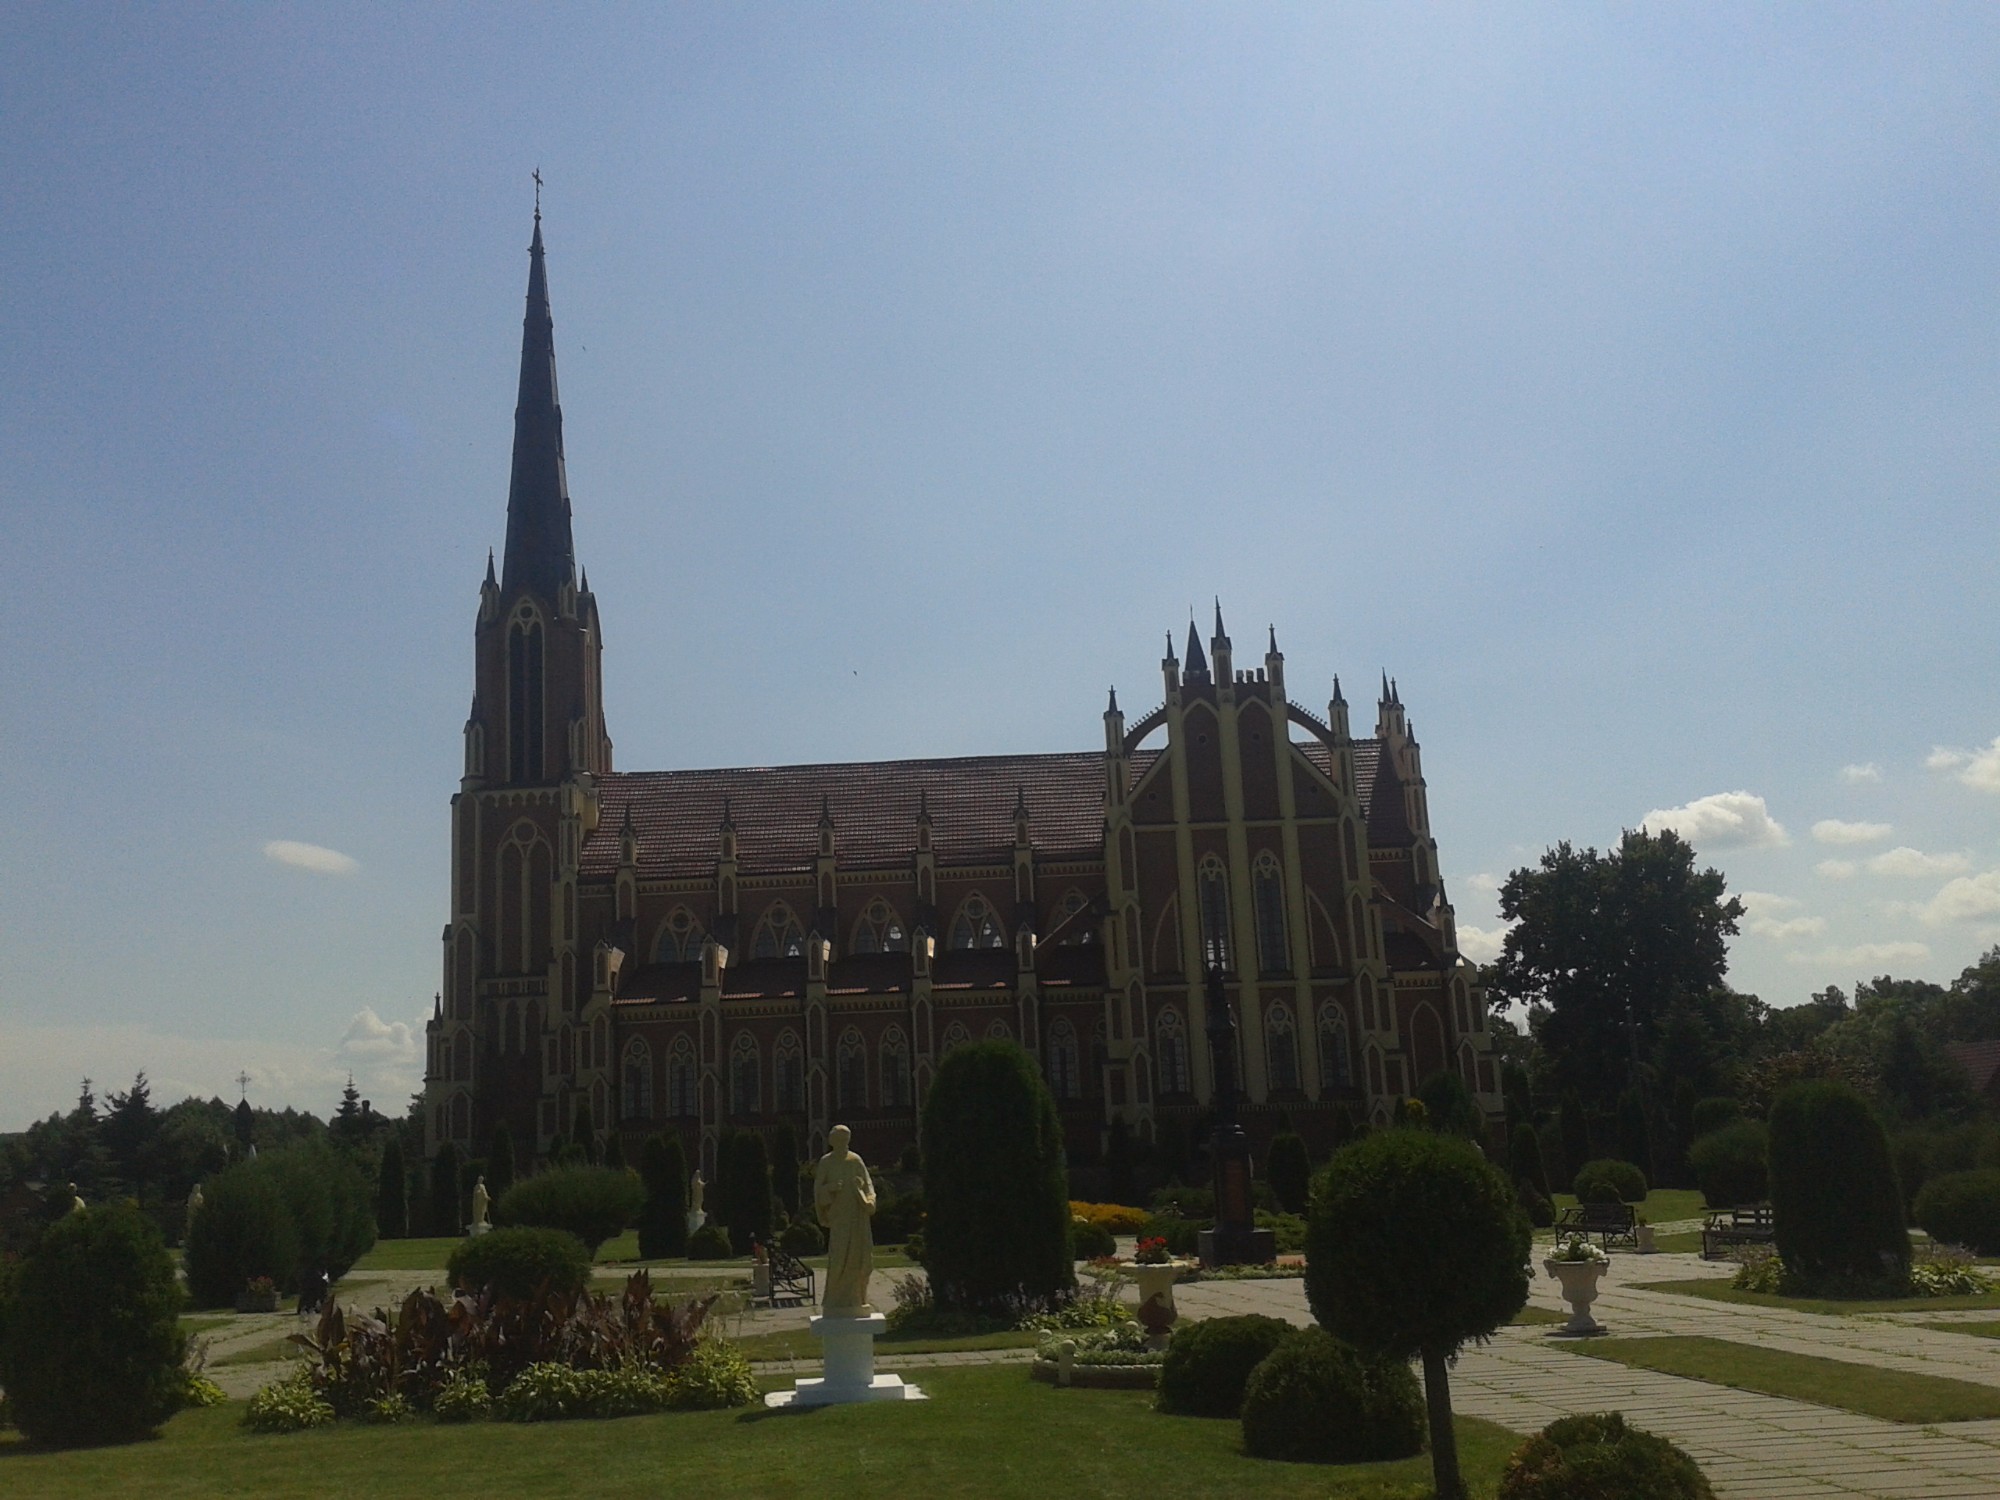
(320, 861)
(1979, 769)
(1906, 863)
(1835, 869)
(1486, 885)
(1720, 820)
(1854, 775)
(1833, 831)
(41, 1063)
(1863, 955)
(1481, 945)
(1768, 916)
(1966, 899)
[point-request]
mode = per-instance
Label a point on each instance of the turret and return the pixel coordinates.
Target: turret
(1274, 667)
(1220, 650)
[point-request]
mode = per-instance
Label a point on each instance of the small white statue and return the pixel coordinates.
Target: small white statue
(481, 1201)
(844, 1201)
(696, 1215)
(76, 1204)
(195, 1201)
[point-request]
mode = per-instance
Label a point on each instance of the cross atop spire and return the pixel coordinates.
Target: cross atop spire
(540, 555)
(537, 175)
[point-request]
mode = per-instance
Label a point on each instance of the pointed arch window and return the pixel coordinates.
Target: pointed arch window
(1074, 923)
(895, 1069)
(1267, 891)
(851, 1071)
(956, 1036)
(680, 939)
(745, 1077)
(524, 698)
(788, 1070)
(1212, 885)
(779, 934)
(976, 926)
(880, 930)
(636, 1078)
(1065, 1069)
(1171, 1042)
(683, 1095)
(999, 1031)
(1281, 1047)
(1336, 1066)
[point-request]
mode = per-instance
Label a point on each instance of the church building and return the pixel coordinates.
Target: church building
(697, 950)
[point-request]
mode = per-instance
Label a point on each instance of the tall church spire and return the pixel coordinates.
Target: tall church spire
(540, 556)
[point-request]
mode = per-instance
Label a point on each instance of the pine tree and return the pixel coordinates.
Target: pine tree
(392, 1192)
(347, 1126)
(129, 1133)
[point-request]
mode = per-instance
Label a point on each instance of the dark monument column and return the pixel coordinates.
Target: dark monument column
(1235, 1240)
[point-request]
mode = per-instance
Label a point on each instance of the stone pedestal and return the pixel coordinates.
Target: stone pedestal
(849, 1345)
(476, 1230)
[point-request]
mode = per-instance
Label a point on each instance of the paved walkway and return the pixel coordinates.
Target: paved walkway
(1752, 1447)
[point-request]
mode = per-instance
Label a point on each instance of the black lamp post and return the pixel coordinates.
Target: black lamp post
(1235, 1239)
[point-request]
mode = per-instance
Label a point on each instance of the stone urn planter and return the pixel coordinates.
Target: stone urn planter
(1579, 1280)
(257, 1299)
(1644, 1232)
(1156, 1297)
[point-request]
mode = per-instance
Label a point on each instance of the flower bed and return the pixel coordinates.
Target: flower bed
(1116, 1357)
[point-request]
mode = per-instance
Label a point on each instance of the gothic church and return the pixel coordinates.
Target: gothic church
(689, 950)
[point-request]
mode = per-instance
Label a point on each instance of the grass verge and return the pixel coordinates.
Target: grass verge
(984, 1432)
(1536, 1317)
(1718, 1289)
(1892, 1395)
(1662, 1205)
(1979, 1330)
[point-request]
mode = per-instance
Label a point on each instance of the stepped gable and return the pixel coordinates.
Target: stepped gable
(677, 815)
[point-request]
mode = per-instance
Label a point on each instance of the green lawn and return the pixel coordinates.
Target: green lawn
(1536, 1317)
(1683, 1242)
(1892, 1395)
(1662, 1205)
(206, 1323)
(799, 1343)
(1718, 1289)
(985, 1431)
(1980, 1330)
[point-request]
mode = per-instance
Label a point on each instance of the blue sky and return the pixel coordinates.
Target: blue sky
(1622, 379)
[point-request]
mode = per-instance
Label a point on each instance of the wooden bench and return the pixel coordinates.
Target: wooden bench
(1610, 1222)
(1746, 1224)
(792, 1281)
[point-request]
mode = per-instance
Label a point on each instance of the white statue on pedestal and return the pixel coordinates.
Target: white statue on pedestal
(697, 1190)
(481, 1201)
(844, 1201)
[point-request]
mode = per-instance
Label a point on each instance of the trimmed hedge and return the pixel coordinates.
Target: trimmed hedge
(1209, 1363)
(516, 1262)
(1315, 1399)
(1730, 1163)
(1595, 1455)
(710, 1242)
(92, 1349)
(996, 1184)
(801, 1237)
(1090, 1241)
(593, 1203)
(1836, 1208)
(1624, 1182)
(1962, 1208)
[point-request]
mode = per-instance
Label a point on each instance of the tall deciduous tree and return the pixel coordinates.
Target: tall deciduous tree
(1606, 943)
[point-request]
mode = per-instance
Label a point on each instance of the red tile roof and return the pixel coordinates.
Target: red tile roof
(1979, 1059)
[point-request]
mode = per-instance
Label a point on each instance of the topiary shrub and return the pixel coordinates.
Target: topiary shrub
(1624, 1182)
(1209, 1362)
(1712, 1114)
(1729, 1163)
(1962, 1208)
(516, 1262)
(710, 1242)
(996, 1184)
(1289, 1168)
(92, 1349)
(593, 1203)
(801, 1237)
(1541, 1213)
(1524, 1159)
(1414, 1248)
(332, 1205)
(1836, 1209)
(663, 1215)
(1090, 1241)
(1315, 1399)
(1596, 1455)
(244, 1230)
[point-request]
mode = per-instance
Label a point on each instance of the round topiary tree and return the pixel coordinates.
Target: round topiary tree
(593, 1203)
(996, 1184)
(1836, 1207)
(92, 1348)
(1729, 1163)
(1594, 1455)
(663, 1216)
(244, 1230)
(1089, 1241)
(1315, 1399)
(1524, 1158)
(1608, 1180)
(1415, 1247)
(1208, 1363)
(1289, 1170)
(518, 1262)
(1962, 1208)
